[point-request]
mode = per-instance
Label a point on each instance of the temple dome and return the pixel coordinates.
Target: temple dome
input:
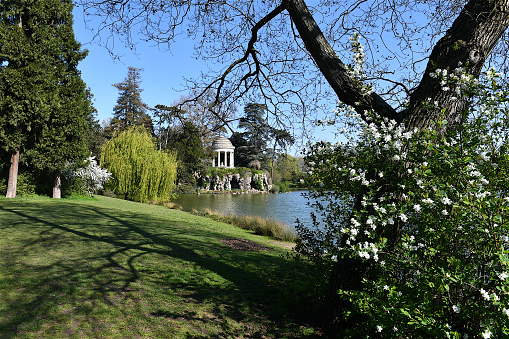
(222, 143)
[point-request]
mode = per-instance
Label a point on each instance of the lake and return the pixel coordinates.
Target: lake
(285, 207)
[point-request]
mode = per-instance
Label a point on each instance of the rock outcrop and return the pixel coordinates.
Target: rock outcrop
(246, 182)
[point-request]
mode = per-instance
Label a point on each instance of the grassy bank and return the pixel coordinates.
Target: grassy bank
(261, 226)
(111, 268)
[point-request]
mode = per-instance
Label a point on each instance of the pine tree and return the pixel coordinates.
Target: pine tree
(42, 97)
(130, 110)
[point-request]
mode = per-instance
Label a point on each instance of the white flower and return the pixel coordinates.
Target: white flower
(456, 308)
(427, 201)
(444, 212)
(505, 311)
(485, 294)
(486, 334)
(403, 217)
(379, 328)
(446, 201)
(503, 275)
(417, 208)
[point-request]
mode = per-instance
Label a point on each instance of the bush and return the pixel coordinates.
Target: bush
(26, 184)
(425, 214)
(280, 187)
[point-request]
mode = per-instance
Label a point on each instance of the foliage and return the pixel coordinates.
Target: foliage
(139, 170)
(424, 213)
(130, 110)
(210, 117)
(94, 136)
(287, 169)
(165, 123)
(280, 187)
(222, 171)
(89, 179)
(251, 145)
(43, 103)
(27, 185)
(187, 144)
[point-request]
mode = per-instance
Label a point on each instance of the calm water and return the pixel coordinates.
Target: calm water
(285, 207)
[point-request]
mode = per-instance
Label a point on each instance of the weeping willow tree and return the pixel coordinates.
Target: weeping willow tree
(139, 169)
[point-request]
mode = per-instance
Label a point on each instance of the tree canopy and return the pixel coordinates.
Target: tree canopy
(139, 170)
(293, 54)
(130, 110)
(43, 101)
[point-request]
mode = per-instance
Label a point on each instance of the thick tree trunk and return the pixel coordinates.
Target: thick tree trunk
(57, 191)
(348, 90)
(470, 41)
(12, 181)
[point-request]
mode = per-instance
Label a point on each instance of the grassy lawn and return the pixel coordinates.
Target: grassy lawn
(111, 268)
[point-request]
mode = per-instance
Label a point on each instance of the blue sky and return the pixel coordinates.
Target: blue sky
(162, 77)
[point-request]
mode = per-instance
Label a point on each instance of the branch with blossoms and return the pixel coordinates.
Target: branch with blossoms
(427, 212)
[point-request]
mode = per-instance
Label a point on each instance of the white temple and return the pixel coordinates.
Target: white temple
(224, 149)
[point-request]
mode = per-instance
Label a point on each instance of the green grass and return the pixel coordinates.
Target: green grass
(103, 267)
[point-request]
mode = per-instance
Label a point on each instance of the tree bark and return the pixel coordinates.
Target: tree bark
(57, 191)
(348, 90)
(13, 175)
(470, 40)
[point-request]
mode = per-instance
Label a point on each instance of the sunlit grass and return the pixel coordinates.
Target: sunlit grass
(110, 268)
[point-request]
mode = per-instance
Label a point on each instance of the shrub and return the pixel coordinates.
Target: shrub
(86, 180)
(426, 216)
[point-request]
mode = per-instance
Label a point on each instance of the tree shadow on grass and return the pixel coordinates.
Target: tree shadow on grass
(78, 269)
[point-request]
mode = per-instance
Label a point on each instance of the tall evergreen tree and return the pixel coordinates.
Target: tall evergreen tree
(130, 110)
(188, 146)
(250, 145)
(42, 98)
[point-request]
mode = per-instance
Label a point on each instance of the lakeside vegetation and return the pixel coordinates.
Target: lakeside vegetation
(104, 267)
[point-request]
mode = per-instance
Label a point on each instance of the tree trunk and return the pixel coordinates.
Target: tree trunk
(57, 191)
(348, 90)
(470, 40)
(13, 175)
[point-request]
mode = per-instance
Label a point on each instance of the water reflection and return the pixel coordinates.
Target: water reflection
(285, 207)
